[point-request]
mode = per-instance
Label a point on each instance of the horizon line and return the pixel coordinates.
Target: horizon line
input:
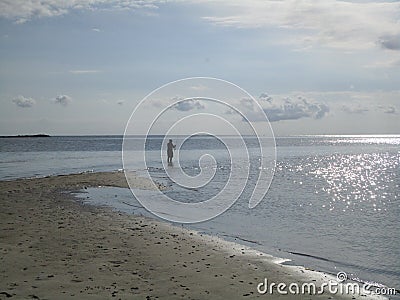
(183, 135)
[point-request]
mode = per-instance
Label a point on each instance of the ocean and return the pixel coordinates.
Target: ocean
(333, 204)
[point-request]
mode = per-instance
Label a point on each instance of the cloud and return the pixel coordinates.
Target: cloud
(265, 97)
(294, 109)
(329, 23)
(354, 108)
(78, 72)
(390, 42)
(199, 87)
(189, 104)
(305, 24)
(387, 109)
(24, 10)
(358, 108)
(390, 110)
(282, 109)
(63, 100)
(22, 101)
(386, 63)
(96, 29)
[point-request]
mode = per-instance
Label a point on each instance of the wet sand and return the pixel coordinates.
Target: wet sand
(54, 247)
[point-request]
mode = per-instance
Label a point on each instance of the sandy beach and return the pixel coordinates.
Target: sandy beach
(54, 247)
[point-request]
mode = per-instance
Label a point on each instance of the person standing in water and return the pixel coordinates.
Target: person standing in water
(170, 151)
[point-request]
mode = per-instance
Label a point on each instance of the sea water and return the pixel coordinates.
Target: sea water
(333, 204)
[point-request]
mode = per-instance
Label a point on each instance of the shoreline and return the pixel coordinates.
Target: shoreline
(53, 246)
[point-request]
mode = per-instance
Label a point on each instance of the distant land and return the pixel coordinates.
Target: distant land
(25, 135)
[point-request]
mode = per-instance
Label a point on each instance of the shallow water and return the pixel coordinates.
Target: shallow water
(334, 200)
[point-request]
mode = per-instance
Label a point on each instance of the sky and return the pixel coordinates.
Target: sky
(317, 67)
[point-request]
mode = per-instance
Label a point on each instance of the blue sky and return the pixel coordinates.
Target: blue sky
(80, 67)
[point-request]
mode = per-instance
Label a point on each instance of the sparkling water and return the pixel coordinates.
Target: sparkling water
(333, 204)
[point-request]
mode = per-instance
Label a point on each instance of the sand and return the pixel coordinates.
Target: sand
(54, 247)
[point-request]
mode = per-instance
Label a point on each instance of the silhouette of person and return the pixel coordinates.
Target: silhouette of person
(170, 151)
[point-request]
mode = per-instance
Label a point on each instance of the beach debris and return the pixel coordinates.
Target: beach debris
(8, 295)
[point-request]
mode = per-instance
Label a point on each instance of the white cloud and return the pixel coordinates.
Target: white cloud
(308, 23)
(388, 109)
(356, 102)
(24, 10)
(386, 63)
(22, 101)
(63, 100)
(294, 109)
(357, 108)
(265, 97)
(330, 23)
(84, 71)
(354, 108)
(189, 104)
(96, 29)
(199, 87)
(281, 109)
